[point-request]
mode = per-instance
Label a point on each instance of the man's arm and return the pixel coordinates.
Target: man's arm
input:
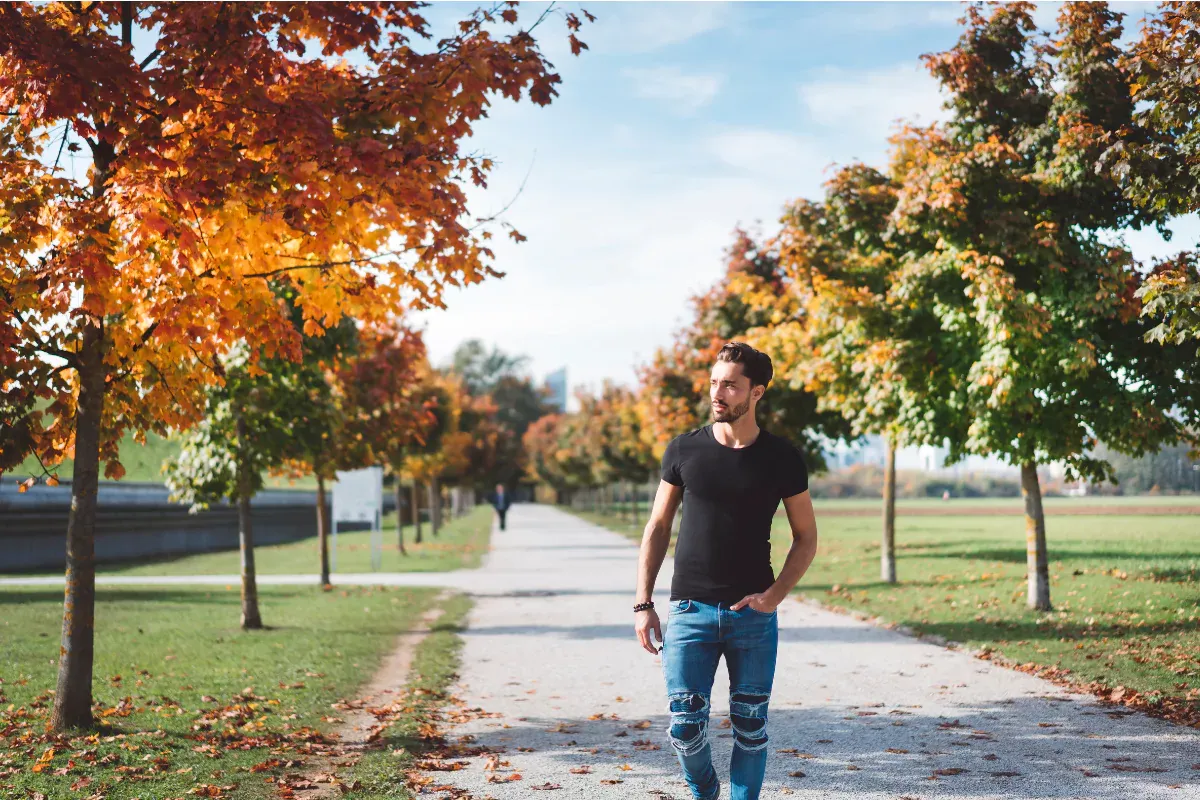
(655, 541)
(799, 558)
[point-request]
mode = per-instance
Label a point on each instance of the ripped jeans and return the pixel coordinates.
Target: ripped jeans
(697, 635)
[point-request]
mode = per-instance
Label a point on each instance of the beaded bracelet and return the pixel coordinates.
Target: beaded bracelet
(643, 607)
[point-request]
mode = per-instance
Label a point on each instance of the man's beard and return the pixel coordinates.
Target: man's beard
(730, 414)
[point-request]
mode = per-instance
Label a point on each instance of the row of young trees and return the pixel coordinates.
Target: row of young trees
(356, 398)
(976, 292)
(246, 148)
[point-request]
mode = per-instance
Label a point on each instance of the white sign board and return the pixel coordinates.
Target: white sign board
(358, 497)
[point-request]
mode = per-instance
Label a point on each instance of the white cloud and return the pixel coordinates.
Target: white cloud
(647, 27)
(897, 16)
(870, 102)
(684, 93)
(606, 274)
(788, 164)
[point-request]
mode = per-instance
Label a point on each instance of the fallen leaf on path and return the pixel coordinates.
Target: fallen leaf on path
(625, 767)
(1005, 774)
(991, 757)
(641, 726)
(896, 750)
(949, 771)
(611, 781)
(546, 787)
(853, 767)
(582, 770)
(516, 776)
(796, 774)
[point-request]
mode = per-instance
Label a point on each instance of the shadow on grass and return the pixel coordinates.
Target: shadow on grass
(1031, 630)
(201, 594)
(1016, 554)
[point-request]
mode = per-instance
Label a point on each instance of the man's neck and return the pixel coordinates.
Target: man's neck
(742, 432)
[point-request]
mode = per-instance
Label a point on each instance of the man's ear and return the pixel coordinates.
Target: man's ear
(761, 391)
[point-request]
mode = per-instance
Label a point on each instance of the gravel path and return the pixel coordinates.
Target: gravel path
(862, 712)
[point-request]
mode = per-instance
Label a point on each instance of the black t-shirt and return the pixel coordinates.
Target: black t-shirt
(729, 497)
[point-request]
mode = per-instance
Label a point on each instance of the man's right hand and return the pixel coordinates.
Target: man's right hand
(647, 621)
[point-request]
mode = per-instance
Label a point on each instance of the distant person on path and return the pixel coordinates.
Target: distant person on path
(500, 501)
(730, 476)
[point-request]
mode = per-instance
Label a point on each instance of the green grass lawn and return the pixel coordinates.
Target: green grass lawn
(460, 544)
(143, 464)
(1126, 590)
(190, 701)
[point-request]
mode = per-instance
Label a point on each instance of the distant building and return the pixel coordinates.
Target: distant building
(556, 384)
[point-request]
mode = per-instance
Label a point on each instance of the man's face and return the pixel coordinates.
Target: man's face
(730, 392)
(499, 488)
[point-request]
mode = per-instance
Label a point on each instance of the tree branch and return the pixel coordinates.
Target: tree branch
(63, 143)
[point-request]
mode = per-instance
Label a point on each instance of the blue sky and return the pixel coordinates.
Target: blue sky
(682, 121)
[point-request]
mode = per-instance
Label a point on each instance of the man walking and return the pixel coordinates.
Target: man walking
(500, 501)
(730, 477)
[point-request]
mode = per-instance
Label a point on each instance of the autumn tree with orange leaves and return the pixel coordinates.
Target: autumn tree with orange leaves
(1156, 159)
(750, 297)
(316, 144)
(386, 406)
(864, 350)
(1035, 300)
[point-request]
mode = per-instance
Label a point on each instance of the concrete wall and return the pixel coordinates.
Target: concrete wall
(137, 521)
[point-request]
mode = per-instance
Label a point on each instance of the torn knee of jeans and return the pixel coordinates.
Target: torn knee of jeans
(688, 703)
(749, 704)
(689, 722)
(749, 733)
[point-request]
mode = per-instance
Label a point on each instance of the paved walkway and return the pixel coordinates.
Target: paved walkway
(859, 711)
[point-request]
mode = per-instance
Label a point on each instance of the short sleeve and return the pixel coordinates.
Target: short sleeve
(671, 472)
(793, 472)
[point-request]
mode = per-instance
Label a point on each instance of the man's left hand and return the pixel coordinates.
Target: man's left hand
(761, 602)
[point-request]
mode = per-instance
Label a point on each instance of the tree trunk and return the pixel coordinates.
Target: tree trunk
(887, 549)
(323, 530)
(251, 619)
(73, 697)
(1036, 560)
(634, 505)
(400, 515)
(416, 511)
(435, 506)
(73, 692)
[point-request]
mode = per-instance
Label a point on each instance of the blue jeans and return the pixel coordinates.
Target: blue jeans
(697, 635)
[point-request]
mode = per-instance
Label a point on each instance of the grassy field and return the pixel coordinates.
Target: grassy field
(1126, 591)
(460, 544)
(191, 705)
(143, 464)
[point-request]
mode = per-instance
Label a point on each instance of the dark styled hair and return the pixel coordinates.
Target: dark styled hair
(756, 365)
